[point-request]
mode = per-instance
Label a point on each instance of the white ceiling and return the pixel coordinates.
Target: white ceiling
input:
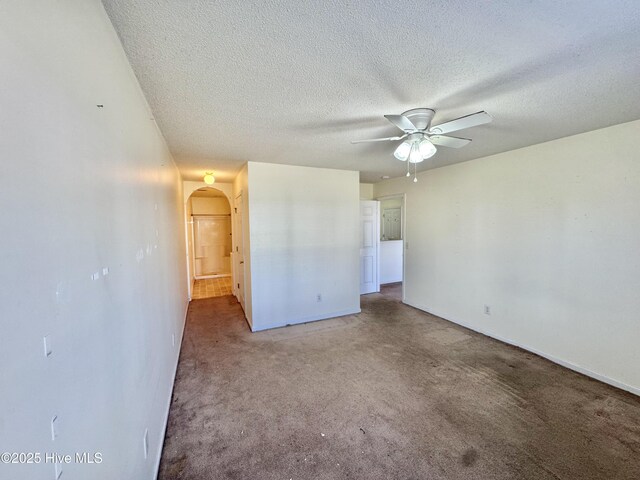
(295, 81)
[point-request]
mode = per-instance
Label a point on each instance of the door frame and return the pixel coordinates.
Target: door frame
(403, 234)
(238, 264)
(188, 187)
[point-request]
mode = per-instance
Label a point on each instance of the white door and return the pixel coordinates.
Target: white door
(369, 246)
(239, 254)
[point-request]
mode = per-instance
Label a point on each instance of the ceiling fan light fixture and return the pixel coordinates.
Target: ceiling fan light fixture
(415, 156)
(420, 137)
(403, 151)
(427, 149)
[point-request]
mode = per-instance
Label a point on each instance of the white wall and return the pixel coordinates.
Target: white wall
(304, 243)
(548, 236)
(83, 189)
(366, 191)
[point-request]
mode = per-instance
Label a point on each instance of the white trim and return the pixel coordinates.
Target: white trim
(190, 279)
(378, 247)
(245, 318)
(173, 381)
(218, 275)
(236, 267)
(552, 358)
(312, 318)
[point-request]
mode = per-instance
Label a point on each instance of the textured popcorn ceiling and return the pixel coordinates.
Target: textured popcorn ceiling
(294, 81)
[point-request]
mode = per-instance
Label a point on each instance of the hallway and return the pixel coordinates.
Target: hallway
(389, 393)
(211, 287)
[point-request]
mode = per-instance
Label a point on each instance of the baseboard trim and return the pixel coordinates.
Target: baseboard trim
(552, 358)
(312, 318)
(173, 382)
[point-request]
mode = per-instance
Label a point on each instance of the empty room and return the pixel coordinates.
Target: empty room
(295, 240)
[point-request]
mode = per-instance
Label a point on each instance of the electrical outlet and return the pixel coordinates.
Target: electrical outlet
(319, 298)
(105, 271)
(145, 443)
(487, 310)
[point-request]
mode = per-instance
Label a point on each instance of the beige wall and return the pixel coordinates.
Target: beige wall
(366, 191)
(91, 251)
(210, 206)
(548, 236)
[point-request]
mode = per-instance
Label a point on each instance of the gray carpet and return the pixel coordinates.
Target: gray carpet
(391, 393)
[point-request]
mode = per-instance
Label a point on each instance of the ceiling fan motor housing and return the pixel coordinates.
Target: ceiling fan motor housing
(420, 117)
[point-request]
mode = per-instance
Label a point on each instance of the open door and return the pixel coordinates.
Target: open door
(369, 246)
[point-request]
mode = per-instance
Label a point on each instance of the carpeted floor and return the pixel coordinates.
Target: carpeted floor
(391, 393)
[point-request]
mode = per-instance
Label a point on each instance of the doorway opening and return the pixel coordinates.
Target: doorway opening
(369, 246)
(209, 242)
(392, 245)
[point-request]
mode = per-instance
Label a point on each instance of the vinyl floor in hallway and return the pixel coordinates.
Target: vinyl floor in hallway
(211, 287)
(390, 393)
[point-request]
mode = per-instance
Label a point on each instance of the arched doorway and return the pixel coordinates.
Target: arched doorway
(209, 243)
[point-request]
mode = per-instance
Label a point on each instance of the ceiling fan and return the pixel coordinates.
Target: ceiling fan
(420, 138)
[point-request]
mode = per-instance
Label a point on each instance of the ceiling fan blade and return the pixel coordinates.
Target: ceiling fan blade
(451, 142)
(388, 139)
(461, 123)
(402, 122)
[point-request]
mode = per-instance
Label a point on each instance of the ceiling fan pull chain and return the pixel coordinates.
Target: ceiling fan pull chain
(415, 172)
